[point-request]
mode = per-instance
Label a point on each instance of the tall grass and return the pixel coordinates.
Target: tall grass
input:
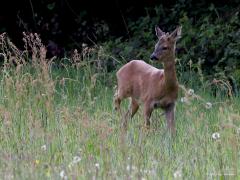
(57, 122)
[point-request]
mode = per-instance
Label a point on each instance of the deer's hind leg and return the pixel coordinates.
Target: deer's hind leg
(118, 97)
(134, 107)
(147, 113)
(117, 102)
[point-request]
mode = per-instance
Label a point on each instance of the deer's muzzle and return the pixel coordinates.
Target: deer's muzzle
(153, 57)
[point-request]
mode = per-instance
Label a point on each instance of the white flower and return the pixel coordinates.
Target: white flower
(208, 105)
(215, 135)
(76, 159)
(70, 165)
(44, 147)
(63, 175)
(97, 165)
(184, 100)
(190, 92)
(145, 171)
(238, 131)
(177, 174)
(131, 168)
(84, 45)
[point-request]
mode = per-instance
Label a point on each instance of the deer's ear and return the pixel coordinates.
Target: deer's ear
(176, 34)
(159, 32)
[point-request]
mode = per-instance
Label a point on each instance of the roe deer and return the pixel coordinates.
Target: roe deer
(155, 88)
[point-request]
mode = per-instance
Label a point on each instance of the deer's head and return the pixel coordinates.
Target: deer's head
(165, 46)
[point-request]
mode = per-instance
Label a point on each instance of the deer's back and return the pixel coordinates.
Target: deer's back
(140, 80)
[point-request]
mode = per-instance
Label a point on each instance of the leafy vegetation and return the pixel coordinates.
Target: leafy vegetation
(210, 40)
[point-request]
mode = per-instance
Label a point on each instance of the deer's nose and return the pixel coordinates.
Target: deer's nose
(153, 57)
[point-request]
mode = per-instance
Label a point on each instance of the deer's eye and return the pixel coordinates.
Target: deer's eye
(164, 48)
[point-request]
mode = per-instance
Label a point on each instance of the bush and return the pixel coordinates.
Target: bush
(210, 40)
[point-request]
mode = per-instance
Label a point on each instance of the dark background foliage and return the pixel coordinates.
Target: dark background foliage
(70, 22)
(125, 28)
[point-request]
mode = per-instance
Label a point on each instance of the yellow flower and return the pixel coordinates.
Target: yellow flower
(37, 161)
(48, 173)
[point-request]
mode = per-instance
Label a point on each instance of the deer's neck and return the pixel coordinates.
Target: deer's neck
(171, 82)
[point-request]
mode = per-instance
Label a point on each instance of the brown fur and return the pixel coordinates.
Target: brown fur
(149, 85)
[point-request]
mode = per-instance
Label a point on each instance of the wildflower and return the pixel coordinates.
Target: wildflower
(184, 100)
(190, 92)
(70, 165)
(44, 147)
(131, 168)
(177, 174)
(145, 171)
(84, 45)
(48, 173)
(208, 105)
(8, 176)
(37, 161)
(215, 135)
(63, 175)
(238, 131)
(97, 165)
(76, 159)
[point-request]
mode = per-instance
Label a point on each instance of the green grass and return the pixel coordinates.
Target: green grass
(49, 118)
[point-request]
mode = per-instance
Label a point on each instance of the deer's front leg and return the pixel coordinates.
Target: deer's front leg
(170, 117)
(147, 113)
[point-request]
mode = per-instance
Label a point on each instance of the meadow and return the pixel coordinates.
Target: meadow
(58, 122)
